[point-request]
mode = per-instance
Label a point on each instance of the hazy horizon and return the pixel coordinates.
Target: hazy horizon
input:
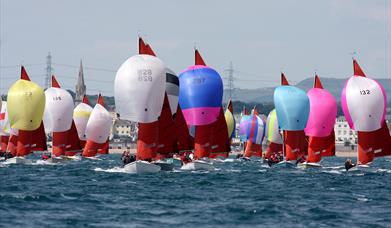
(260, 38)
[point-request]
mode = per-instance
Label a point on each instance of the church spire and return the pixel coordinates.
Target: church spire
(80, 86)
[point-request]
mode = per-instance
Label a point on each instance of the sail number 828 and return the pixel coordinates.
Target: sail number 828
(145, 75)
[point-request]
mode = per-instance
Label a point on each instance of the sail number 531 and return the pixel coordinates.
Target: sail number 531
(145, 75)
(365, 92)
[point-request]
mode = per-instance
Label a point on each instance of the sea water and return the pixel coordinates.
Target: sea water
(99, 193)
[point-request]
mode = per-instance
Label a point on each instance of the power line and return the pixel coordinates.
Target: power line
(49, 70)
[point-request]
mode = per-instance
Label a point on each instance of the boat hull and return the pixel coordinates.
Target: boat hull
(198, 165)
(165, 165)
(285, 164)
(306, 165)
(142, 167)
(18, 160)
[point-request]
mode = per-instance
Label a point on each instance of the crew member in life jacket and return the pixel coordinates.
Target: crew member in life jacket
(300, 160)
(8, 155)
(273, 160)
(45, 156)
(186, 159)
(349, 164)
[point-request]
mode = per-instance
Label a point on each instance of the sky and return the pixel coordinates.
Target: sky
(261, 38)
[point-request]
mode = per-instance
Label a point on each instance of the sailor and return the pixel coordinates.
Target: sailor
(126, 159)
(45, 156)
(300, 160)
(8, 155)
(186, 159)
(349, 164)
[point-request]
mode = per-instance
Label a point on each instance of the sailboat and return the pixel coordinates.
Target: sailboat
(292, 109)
(200, 97)
(25, 106)
(81, 114)
(4, 127)
(364, 105)
(58, 118)
(97, 129)
(244, 124)
(273, 136)
(166, 141)
(255, 133)
(320, 125)
(139, 91)
(230, 120)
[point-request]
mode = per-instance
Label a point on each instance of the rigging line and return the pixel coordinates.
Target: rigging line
(85, 67)
(26, 65)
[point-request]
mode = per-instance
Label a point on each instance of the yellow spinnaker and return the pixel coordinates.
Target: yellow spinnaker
(272, 122)
(25, 105)
(229, 118)
(81, 114)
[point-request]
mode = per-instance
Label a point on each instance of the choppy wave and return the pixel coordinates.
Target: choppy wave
(240, 193)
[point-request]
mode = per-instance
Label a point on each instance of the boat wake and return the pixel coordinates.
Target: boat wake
(113, 170)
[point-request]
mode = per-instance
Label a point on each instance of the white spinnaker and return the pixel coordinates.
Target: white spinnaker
(260, 131)
(365, 102)
(4, 122)
(81, 114)
(99, 125)
(58, 110)
(172, 90)
(139, 88)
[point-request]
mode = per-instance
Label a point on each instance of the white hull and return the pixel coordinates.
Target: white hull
(285, 164)
(165, 165)
(309, 165)
(17, 160)
(141, 167)
(198, 165)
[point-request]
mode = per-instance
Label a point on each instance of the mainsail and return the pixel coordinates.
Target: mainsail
(320, 125)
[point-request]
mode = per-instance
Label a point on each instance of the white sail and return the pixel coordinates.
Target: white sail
(81, 114)
(4, 122)
(58, 110)
(365, 101)
(139, 88)
(98, 125)
(172, 90)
